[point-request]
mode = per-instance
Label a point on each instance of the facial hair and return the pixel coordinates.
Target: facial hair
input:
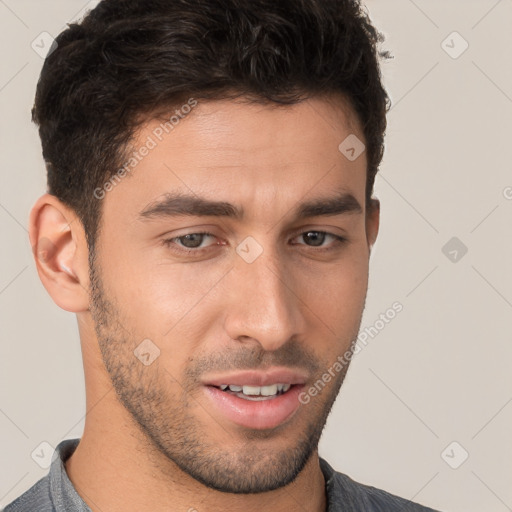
(162, 406)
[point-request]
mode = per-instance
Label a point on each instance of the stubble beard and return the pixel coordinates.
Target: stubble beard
(170, 428)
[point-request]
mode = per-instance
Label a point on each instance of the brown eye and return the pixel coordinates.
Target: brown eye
(317, 238)
(191, 242)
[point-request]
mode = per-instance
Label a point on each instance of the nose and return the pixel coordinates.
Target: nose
(263, 305)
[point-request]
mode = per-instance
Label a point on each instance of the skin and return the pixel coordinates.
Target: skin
(152, 439)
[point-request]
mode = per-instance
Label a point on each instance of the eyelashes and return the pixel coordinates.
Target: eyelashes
(176, 243)
(170, 241)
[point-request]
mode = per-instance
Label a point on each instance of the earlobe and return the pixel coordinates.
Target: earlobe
(60, 253)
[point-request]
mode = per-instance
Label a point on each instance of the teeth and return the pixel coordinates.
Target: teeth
(251, 390)
(271, 390)
(268, 390)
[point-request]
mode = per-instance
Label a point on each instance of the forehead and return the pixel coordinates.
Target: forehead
(246, 128)
(251, 154)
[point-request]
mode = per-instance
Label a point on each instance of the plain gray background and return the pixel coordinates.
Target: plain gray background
(434, 385)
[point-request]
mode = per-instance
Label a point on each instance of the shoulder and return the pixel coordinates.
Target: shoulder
(36, 498)
(52, 492)
(344, 493)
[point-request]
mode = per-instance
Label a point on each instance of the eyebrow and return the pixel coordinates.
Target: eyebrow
(180, 204)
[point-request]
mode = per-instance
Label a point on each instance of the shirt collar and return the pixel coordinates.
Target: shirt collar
(65, 496)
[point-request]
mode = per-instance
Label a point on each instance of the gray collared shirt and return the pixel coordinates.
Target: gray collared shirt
(55, 492)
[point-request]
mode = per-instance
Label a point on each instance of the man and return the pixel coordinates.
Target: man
(209, 220)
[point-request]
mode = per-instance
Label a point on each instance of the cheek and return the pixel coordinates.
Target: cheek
(334, 301)
(340, 286)
(156, 297)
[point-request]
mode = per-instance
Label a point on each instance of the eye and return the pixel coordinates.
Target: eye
(191, 242)
(317, 238)
(194, 242)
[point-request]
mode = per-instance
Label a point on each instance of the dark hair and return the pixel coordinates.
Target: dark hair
(130, 59)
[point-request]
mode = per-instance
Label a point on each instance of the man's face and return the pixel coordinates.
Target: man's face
(265, 299)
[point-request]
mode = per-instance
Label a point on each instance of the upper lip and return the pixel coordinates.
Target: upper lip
(258, 377)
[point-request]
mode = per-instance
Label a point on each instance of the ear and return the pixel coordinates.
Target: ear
(60, 252)
(372, 221)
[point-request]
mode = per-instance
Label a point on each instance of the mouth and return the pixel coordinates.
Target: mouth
(255, 393)
(256, 400)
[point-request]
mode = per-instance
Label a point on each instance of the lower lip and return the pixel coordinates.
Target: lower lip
(261, 414)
